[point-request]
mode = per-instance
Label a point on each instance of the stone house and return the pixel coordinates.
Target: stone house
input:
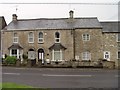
(51, 40)
(2, 25)
(111, 41)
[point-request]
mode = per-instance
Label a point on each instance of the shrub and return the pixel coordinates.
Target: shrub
(10, 60)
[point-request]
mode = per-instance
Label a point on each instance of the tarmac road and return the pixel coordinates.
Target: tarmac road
(61, 77)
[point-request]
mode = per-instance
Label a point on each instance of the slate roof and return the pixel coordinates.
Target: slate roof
(15, 46)
(55, 23)
(57, 46)
(110, 26)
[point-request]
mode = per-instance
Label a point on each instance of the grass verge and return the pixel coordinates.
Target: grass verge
(14, 86)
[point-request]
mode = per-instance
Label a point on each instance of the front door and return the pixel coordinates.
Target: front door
(41, 55)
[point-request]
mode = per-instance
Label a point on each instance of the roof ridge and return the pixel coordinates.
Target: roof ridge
(109, 22)
(56, 18)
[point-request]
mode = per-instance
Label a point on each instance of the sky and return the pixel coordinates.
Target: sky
(104, 10)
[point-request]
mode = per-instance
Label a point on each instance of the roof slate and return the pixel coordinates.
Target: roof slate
(110, 26)
(58, 23)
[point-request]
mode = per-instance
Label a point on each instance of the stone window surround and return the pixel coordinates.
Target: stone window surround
(40, 37)
(15, 37)
(17, 53)
(57, 37)
(31, 37)
(117, 37)
(86, 56)
(53, 55)
(107, 55)
(86, 37)
(118, 57)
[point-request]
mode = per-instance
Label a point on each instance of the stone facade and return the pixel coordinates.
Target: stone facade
(63, 40)
(110, 45)
(2, 25)
(66, 40)
(94, 45)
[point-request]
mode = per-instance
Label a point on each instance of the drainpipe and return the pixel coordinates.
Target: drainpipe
(73, 44)
(1, 47)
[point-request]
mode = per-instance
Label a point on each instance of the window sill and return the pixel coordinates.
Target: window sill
(118, 41)
(40, 42)
(30, 42)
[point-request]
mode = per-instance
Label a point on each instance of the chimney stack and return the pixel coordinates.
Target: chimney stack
(14, 17)
(71, 13)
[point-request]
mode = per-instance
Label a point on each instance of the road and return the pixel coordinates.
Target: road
(61, 77)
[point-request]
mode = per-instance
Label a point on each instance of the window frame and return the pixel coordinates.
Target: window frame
(86, 37)
(117, 37)
(118, 57)
(107, 55)
(57, 38)
(31, 55)
(86, 56)
(30, 37)
(15, 37)
(17, 53)
(40, 38)
(14, 54)
(57, 51)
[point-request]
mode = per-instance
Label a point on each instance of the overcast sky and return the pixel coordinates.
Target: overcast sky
(105, 10)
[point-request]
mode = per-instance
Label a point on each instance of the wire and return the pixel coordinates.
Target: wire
(68, 3)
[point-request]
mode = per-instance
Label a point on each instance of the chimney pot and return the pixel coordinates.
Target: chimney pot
(71, 13)
(14, 17)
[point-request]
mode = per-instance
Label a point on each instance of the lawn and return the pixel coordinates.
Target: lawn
(14, 86)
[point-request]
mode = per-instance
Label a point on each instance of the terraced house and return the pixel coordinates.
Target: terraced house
(2, 25)
(50, 40)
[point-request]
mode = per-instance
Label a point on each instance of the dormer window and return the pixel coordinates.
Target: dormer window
(15, 38)
(57, 37)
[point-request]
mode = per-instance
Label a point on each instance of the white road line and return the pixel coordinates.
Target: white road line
(117, 76)
(55, 75)
(12, 73)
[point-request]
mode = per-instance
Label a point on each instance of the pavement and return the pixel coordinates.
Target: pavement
(61, 77)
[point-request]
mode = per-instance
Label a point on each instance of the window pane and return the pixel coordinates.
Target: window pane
(40, 35)
(31, 55)
(15, 38)
(57, 35)
(30, 34)
(15, 34)
(107, 55)
(40, 40)
(86, 37)
(119, 55)
(86, 56)
(118, 36)
(57, 55)
(30, 37)
(57, 40)
(14, 52)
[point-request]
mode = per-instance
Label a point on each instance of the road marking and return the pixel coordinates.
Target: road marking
(55, 75)
(117, 76)
(12, 73)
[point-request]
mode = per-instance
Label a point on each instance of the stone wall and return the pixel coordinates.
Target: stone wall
(66, 40)
(110, 44)
(94, 45)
